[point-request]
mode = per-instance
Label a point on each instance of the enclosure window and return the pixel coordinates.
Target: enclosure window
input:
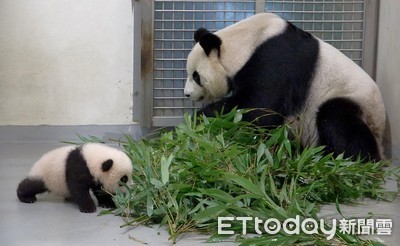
(340, 23)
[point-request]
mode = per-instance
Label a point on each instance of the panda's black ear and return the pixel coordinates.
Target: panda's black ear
(208, 41)
(107, 165)
(199, 33)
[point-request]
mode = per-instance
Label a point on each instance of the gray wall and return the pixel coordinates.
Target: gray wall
(66, 62)
(388, 68)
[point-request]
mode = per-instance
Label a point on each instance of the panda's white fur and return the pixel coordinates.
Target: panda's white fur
(95, 154)
(49, 173)
(51, 169)
(338, 75)
(334, 76)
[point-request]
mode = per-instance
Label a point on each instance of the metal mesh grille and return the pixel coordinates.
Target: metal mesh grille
(340, 23)
(174, 25)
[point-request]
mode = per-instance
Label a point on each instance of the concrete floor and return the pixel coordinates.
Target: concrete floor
(52, 221)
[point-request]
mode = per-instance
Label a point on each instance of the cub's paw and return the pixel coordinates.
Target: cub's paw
(87, 208)
(30, 199)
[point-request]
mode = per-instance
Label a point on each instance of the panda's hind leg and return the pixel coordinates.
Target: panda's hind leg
(28, 188)
(342, 130)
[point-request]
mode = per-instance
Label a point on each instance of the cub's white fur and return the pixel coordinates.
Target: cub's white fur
(95, 154)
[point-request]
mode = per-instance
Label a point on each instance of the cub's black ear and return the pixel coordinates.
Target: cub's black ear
(208, 41)
(107, 165)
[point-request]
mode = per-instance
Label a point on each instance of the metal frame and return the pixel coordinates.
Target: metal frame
(260, 6)
(143, 62)
(370, 39)
(143, 95)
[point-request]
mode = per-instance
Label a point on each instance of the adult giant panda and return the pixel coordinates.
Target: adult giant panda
(72, 171)
(267, 62)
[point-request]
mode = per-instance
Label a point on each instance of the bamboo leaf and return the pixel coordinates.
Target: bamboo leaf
(165, 163)
(238, 117)
(218, 194)
(157, 183)
(245, 183)
(209, 213)
(260, 152)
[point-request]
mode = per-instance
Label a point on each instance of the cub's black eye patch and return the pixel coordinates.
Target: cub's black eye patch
(124, 179)
(196, 78)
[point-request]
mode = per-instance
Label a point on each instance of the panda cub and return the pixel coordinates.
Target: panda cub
(265, 62)
(71, 172)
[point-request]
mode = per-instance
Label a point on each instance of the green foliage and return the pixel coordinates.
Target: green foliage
(222, 166)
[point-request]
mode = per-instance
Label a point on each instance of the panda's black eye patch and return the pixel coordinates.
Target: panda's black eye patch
(124, 179)
(196, 78)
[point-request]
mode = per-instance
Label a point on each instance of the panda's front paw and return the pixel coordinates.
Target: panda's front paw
(104, 199)
(107, 204)
(87, 207)
(30, 199)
